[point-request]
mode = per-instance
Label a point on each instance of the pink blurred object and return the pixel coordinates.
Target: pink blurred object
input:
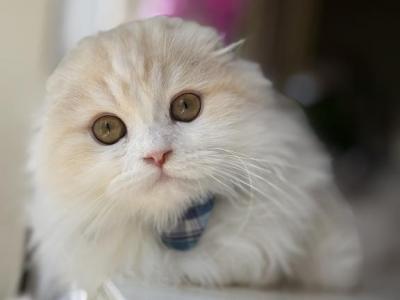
(151, 8)
(224, 15)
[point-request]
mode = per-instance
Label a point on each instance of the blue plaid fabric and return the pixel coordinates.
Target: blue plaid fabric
(190, 228)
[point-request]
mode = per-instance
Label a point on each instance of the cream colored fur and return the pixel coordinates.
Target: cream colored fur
(97, 210)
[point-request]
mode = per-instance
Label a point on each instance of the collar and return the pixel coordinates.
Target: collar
(187, 233)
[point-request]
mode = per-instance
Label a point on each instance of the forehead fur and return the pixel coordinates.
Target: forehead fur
(154, 54)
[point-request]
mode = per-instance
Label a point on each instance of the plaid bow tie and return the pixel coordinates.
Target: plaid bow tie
(190, 228)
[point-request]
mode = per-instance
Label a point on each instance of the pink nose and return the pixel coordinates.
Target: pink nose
(158, 158)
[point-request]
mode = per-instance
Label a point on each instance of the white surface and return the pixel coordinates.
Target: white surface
(189, 293)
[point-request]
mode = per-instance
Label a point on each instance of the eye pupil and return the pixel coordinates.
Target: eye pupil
(108, 129)
(185, 107)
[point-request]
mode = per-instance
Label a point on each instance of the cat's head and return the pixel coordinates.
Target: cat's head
(143, 119)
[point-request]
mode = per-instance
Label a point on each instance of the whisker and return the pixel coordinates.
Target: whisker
(281, 193)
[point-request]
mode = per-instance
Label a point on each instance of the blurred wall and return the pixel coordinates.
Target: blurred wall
(22, 25)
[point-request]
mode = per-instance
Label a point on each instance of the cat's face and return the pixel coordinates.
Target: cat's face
(143, 119)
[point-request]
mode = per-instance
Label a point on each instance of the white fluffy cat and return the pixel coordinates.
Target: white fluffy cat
(142, 120)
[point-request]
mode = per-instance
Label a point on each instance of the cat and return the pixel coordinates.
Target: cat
(145, 122)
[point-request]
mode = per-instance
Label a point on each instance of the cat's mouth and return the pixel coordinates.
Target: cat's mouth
(163, 177)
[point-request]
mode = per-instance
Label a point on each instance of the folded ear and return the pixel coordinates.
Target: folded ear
(229, 49)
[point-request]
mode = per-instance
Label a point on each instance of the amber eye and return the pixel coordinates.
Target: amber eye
(185, 108)
(108, 129)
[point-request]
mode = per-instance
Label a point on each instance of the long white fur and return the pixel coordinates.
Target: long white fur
(97, 210)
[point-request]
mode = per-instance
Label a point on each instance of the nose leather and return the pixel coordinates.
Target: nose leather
(158, 158)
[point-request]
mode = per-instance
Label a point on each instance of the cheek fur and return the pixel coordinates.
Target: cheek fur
(76, 166)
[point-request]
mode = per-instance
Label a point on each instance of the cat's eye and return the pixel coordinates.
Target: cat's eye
(108, 129)
(185, 107)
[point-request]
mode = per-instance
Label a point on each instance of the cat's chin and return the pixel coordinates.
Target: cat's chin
(166, 182)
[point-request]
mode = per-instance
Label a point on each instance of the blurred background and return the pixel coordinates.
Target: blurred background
(339, 59)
